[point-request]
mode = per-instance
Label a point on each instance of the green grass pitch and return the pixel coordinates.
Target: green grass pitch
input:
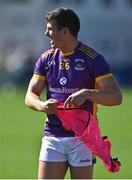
(21, 130)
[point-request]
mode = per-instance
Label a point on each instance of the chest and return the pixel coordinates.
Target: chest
(68, 72)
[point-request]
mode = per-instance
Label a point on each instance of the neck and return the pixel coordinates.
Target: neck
(69, 46)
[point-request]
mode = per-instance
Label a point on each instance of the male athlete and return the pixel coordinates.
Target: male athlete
(74, 74)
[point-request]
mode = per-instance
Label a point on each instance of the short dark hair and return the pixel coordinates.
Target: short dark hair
(65, 17)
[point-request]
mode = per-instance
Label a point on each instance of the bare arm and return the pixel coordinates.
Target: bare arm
(33, 100)
(108, 94)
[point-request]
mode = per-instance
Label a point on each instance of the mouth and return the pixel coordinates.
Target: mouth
(52, 42)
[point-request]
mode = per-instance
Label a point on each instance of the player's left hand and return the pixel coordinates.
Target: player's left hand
(76, 99)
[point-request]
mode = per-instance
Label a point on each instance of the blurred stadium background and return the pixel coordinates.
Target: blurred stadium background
(106, 25)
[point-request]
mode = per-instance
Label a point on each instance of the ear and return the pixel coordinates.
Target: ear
(66, 30)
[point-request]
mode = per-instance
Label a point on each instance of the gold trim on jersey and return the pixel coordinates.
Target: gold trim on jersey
(88, 51)
(40, 77)
(95, 109)
(67, 54)
(103, 77)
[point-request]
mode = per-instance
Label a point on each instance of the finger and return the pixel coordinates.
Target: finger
(53, 100)
(68, 102)
(52, 106)
(50, 110)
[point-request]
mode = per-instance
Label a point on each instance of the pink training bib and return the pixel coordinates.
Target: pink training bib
(87, 130)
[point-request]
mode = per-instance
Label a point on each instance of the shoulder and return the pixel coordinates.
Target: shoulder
(47, 53)
(88, 51)
(46, 56)
(92, 55)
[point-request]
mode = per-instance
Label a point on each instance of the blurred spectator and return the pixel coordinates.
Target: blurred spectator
(107, 23)
(17, 66)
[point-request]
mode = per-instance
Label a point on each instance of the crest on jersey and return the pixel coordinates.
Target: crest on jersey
(63, 81)
(51, 62)
(79, 64)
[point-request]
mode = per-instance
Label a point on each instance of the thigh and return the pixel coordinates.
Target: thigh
(85, 172)
(52, 150)
(52, 170)
(78, 154)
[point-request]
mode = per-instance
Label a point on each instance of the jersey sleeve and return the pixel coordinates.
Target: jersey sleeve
(39, 70)
(100, 68)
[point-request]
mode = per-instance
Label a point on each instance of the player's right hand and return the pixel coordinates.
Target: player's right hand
(49, 106)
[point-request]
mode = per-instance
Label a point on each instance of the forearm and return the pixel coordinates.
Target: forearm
(107, 97)
(33, 101)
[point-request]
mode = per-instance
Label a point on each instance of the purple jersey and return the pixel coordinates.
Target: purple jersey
(68, 73)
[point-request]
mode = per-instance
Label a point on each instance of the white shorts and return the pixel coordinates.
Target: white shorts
(61, 149)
